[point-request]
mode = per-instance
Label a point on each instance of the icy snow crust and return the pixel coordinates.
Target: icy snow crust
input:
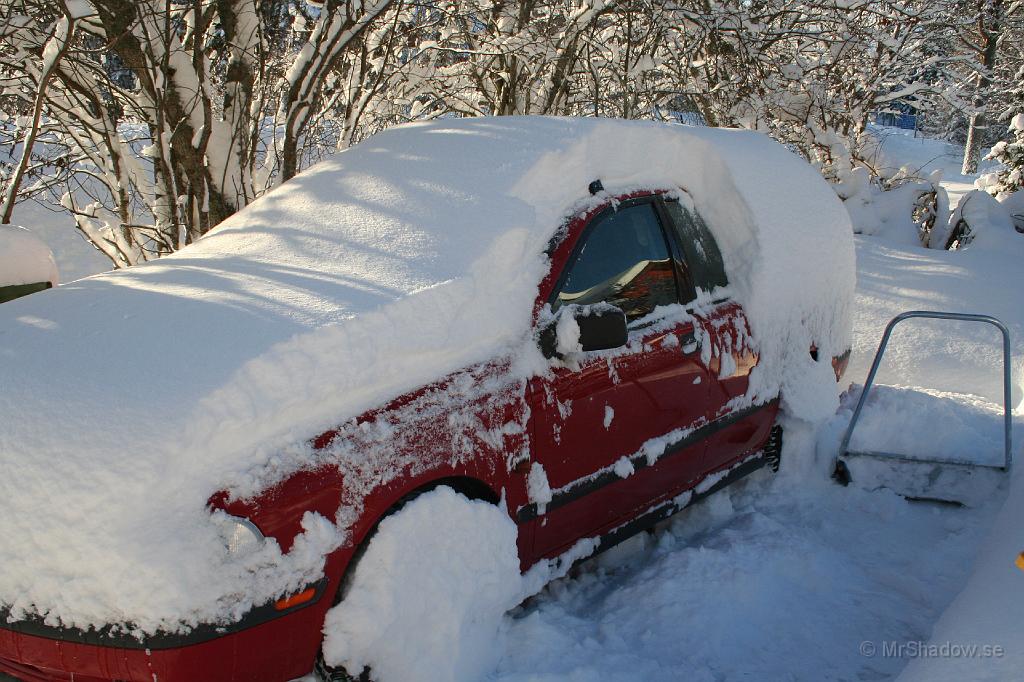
(410, 256)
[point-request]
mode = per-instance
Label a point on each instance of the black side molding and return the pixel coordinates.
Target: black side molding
(662, 512)
(120, 636)
(586, 486)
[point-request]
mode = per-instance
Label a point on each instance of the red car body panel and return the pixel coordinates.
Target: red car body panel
(280, 649)
(557, 420)
(656, 385)
(728, 330)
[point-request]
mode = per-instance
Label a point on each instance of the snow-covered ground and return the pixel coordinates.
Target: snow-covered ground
(897, 148)
(767, 581)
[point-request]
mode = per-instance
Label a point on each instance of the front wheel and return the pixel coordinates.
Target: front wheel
(773, 448)
(425, 601)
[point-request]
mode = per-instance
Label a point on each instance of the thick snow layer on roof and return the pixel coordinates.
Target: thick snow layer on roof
(409, 256)
(24, 258)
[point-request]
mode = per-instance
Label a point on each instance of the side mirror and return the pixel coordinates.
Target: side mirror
(601, 326)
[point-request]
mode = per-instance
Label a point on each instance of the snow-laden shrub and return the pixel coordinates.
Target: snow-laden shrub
(1011, 155)
(1014, 204)
(980, 219)
(901, 208)
(1006, 184)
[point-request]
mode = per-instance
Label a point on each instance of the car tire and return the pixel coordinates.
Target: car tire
(325, 673)
(460, 553)
(773, 448)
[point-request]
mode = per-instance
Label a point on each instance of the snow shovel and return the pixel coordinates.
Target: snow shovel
(953, 481)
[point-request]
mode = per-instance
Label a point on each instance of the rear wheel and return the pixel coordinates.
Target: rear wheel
(425, 597)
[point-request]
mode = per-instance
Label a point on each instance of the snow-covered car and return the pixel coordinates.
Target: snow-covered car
(26, 264)
(324, 434)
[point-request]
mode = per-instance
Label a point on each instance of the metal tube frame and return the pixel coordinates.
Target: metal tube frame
(1007, 418)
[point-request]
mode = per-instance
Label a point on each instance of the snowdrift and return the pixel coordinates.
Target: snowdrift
(130, 397)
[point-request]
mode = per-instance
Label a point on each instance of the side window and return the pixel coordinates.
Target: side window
(699, 247)
(624, 261)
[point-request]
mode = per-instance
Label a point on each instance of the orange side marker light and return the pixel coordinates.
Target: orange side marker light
(300, 598)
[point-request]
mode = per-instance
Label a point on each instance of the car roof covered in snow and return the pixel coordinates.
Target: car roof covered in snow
(24, 258)
(380, 269)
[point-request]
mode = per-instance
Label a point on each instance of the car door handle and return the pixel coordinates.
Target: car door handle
(689, 343)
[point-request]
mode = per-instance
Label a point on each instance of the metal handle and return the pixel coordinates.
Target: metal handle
(963, 317)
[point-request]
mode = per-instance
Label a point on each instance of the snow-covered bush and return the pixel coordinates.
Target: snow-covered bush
(902, 208)
(1010, 154)
(995, 209)
(979, 219)
(1014, 204)
(199, 84)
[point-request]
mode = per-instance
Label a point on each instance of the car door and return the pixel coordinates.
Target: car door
(734, 428)
(611, 429)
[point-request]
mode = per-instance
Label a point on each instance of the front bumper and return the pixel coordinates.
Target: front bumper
(266, 645)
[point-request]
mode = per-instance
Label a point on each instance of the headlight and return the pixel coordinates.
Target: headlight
(241, 536)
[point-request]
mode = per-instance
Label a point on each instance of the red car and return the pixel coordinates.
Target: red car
(636, 419)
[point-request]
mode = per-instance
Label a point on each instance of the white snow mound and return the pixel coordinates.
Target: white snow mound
(24, 258)
(411, 255)
(427, 598)
(926, 423)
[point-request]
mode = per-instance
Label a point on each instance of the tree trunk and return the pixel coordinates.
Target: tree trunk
(991, 28)
(972, 149)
